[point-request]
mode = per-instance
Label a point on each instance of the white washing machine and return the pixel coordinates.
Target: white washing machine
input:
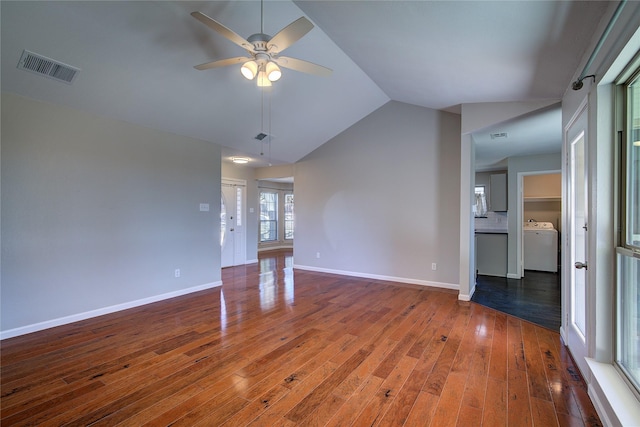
(540, 246)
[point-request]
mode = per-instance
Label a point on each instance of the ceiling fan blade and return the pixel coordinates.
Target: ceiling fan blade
(222, 63)
(289, 35)
(222, 30)
(302, 66)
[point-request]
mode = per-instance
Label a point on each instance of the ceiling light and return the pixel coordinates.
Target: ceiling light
(273, 71)
(240, 160)
(249, 69)
(263, 80)
(636, 143)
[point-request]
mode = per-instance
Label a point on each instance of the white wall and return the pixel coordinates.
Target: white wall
(382, 198)
(98, 213)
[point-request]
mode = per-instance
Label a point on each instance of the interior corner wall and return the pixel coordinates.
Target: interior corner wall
(382, 199)
(99, 213)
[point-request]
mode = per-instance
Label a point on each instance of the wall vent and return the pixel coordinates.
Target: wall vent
(498, 135)
(47, 67)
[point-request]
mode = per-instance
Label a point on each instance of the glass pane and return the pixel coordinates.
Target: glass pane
(578, 224)
(239, 206)
(288, 216)
(628, 327)
(268, 216)
(633, 165)
(223, 220)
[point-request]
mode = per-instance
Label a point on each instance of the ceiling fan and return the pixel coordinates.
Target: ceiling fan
(264, 60)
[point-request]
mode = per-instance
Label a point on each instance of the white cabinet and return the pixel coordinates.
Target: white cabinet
(499, 192)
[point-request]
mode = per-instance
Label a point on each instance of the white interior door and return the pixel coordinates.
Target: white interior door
(577, 331)
(232, 223)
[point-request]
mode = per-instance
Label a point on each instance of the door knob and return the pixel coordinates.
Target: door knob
(581, 265)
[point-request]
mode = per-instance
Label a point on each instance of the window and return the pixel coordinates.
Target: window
(628, 251)
(480, 208)
(268, 216)
(288, 216)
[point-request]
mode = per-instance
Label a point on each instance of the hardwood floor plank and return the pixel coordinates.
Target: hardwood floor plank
(358, 399)
(495, 412)
(519, 403)
(448, 407)
(422, 411)
(515, 345)
(306, 349)
(538, 383)
(320, 393)
(543, 413)
(499, 345)
(374, 411)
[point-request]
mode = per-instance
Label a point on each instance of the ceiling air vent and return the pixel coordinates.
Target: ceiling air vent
(498, 135)
(261, 136)
(47, 67)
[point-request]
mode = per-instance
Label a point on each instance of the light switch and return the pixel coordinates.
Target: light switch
(204, 207)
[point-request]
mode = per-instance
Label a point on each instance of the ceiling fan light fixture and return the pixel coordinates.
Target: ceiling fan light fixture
(263, 80)
(249, 69)
(273, 71)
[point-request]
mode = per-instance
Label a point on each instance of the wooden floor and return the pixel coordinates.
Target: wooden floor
(278, 348)
(536, 297)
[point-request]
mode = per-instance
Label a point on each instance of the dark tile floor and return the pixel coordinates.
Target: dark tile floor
(535, 297)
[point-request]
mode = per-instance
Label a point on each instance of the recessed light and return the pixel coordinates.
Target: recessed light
(240, 160)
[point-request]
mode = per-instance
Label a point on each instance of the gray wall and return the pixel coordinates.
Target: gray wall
(98, 213)
(383, 198)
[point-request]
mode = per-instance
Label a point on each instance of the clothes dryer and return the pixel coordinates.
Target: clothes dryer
(540, 247)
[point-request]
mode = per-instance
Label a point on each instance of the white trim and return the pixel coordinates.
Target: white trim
(614, 401)
(275, 247)
(379, 277)
(251, 261)
(513, 276)
(233, 181)
(102, 311)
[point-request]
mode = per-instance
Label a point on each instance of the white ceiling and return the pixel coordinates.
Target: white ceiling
(137, 63)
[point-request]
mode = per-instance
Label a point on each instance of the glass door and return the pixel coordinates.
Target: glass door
(577, 332)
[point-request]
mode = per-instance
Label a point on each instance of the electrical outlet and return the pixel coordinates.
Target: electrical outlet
(434, 266)
(176, 273)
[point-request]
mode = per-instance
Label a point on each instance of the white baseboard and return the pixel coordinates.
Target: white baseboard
(102, 311)
(463, 297)
(379, 277)
(513, 276)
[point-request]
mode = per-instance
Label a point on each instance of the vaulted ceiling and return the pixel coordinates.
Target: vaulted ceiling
(137, 58)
